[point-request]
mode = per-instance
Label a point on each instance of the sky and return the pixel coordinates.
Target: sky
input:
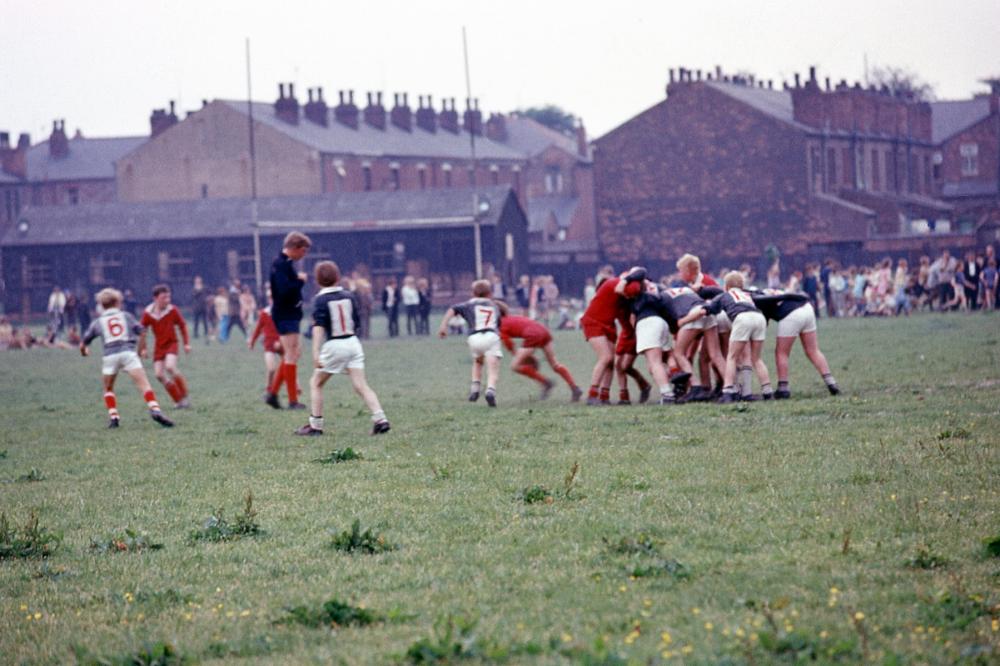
(104, 65)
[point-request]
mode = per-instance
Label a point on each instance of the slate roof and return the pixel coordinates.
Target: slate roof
(228, 218)
(532, 137)
(368, 141)
(775, 103)
(541, 208)
(87, 159)
(950, 118)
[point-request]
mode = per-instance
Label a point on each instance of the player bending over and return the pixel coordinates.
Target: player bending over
(164, 319)
(748, 329)
(534, 336)
(652, 334)
(272, 347)
(119, 333)
(796, 319)
(336, 349)
(483, 317)
(598, 324)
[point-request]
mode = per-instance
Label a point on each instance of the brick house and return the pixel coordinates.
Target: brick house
(60, 171)
(316, 148)
(727, 165)
(379, 234)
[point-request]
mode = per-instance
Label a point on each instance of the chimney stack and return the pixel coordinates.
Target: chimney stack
(473, 119)
(581, 139)
(828, 84)
(13, 160)
(161, 120)
(345, 112)
(426, 117)
(671, 75)
(798, 82)
(58, 143)
(316, 109)
(287, 107)
(401, 116)
(496, 128)
(812, 75)
(448, 118)
(375, 112)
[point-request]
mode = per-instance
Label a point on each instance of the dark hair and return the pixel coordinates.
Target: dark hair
(159, 289)
(327, 273)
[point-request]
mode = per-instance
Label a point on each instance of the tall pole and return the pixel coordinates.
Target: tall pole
(257, 268)
(476, 230)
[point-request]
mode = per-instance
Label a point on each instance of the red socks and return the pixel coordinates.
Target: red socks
(182, 385)
(111, 403)
(605, 394)
(623, 395)
(288, 372)
(564, 373)
(592, 393)
(150, 399)
(174, 390)
(529, 371)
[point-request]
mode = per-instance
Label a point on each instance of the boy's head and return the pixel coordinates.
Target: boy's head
(689, 266)
(481, 289)
(109, 298)
(733, 280)
(296, 245)
(161, 294)
(327, 274)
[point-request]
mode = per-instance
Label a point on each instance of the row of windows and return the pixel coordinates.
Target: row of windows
(873, 169)
(424, 179)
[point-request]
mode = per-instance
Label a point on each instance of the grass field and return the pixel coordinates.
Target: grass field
(842, 529)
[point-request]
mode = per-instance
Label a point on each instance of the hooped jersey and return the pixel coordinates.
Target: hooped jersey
(336, 310)
(118, 330)
(681, 300)
(651, 304)
(482, 314)
(734, 302)
(777, 304)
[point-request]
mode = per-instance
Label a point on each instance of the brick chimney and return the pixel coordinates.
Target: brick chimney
(287, 108)
(161, 120)
(426, 117)
(13, 158)
(375, 112)
(401, 116)
(994, 85)
(316, 109)
(448, 118)
(581, 139)
(472, 119)
(345, 112)
(496, 128)
(58, 143)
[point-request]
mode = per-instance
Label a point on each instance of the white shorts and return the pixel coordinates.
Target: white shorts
(338, 356)
(722, 319)
(652, 333)
(126, 361)
(486, 343)
(703, 324)
(748, 326)
(799, 320)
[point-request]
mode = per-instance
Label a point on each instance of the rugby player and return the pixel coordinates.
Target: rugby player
(483, 316)
(165, 319)
(286, 310)
(534, 336)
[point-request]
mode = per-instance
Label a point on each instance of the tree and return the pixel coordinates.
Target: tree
(552, 116)
(902, 82)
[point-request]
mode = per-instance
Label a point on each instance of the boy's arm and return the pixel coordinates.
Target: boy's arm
(257, 330)
(443, 330)
(694, 314)
(319, 337)
(181, 324)
(88, 337)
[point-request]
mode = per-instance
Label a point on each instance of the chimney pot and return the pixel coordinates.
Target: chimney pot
(281, 91)
(341, 93)
(812, 74)
(828, 84)
(291, 90)
(698, 75)
(797, 80)
(671, 74)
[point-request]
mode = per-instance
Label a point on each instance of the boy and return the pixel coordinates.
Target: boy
(164, 319)
(482, 314)
(534, 336)
(652, 334)
(119, 332)
(337, 350)
(609, 305)
(271, 342)
(286, 310)
(988, 284)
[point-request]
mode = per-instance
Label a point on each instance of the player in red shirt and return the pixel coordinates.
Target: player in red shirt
(271, 342)
(534, 336)
(164, 318)
(598, 324)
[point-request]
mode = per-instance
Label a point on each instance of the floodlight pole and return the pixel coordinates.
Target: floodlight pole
(477, 233)
(257, 267)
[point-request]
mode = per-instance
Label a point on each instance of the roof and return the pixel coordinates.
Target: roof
(531, 137)
(950, 118)
(970, 189)
(230, 218)
(774, 103)
(6, 178)
(541, 209)
(366, 140)
(87, 159)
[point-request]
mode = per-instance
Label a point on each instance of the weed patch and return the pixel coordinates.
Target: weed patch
(454, 639)
(338, 456)
(644, 558)
(150, 654)
(217, 528)
(955, 610)
(129, 541)
(355, 540)
(27, 541)
(536, 495)
(992, 545)
(33, 475)
(333, 613)
(925, 558)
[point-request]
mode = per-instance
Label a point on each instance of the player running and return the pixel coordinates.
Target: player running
(164, 318)
(796, 319)
(483, 315)
(337, 350)
(119, 333)
(534, 336)
(271, 342)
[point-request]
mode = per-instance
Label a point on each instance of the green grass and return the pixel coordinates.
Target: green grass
(850, 528)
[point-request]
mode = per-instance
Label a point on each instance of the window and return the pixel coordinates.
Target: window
(553, 180)
(8, 197)
(494, 174)
(446, 168)
(422, 176)
(845, 161)
(472, 176)
(831, 168)
(927, 175)
(816, 166)
(970, 158)
(106, 269)
(395, 177)
(74, 195)
(241, 266)
(367, 170)
(36, 273)
(175, 266)
(204, 191)
(517, 179)
(876, 173)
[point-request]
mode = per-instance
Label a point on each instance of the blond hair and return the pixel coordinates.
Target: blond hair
(689, 260)
(733, 280)
(109, 298)
(295, 240)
